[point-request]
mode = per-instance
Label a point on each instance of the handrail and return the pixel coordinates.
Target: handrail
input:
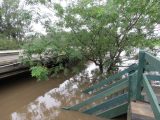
(103, 94)
(108, 104)
(111, 85)
(153, 77)
(151, 63)
(152, 97)
(135, 81)
(111, 78)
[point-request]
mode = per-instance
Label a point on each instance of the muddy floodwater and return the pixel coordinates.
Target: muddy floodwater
(23, 98)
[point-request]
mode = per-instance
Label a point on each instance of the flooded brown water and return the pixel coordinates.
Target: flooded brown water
(23, 98)
(17, 92)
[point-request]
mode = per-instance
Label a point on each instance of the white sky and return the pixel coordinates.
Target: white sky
(44, 12)
(48, 14)
(157, 30)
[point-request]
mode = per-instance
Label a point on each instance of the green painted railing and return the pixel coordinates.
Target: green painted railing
(147, 63)
(137, 79)
(108, 104)
(106, 88)
(111, 78)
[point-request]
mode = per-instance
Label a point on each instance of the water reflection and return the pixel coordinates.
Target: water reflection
(48, 107)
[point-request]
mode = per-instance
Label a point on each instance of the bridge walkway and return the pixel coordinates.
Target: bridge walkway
(10, 63)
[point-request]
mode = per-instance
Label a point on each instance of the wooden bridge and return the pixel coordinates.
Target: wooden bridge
(10, 64)
(129, 91)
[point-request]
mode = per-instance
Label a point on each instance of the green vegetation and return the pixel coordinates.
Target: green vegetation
(6, 44)
(100, 32)
(55, 53)
(103, 31)
(14, 22)
(40, 72)
(13, 19)
(86, 30)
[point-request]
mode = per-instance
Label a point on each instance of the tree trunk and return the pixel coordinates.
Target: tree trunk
(101, 68)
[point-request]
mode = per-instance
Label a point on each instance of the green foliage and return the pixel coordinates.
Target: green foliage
(13, 19)
(40, 72)
(6, 44)
(32, 2)
(53, 51)
(36, 46)
(98, 29)
(59, 9)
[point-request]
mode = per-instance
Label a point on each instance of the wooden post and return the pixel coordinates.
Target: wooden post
(132, 86)
(140, 74)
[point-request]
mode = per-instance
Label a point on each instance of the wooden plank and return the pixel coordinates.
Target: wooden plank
(114, 112)
(151, 68)
(153, 77)
(141, 111)
(129, 112)
(152, 97)
(153, 61)
(12, 73)
(10, 52)
(112, 85)
(111, 78)
(140, 74)
(10, 67)
(108, 104)
(132, 86)
(156, 91)
(103, 94)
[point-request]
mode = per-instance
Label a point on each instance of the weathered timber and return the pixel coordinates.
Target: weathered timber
(115, 111)
(10, 67)
(12, 73)
(140, 74)
(111, 85)
(103, 94)
(154, 63)
(132, 86)
(151, 68)
(153, 77)
(9, 52)
(111, 78)
(141, 111)
(108, 104)
(152, 98)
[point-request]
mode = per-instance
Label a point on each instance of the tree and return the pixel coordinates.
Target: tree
(14, 20)
(98, 31)
(102, 30)
(50, 54)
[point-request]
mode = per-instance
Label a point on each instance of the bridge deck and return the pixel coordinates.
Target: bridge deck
(9, 57)
(9, 52)
(4, 60)
(141, 111)
(9, 63)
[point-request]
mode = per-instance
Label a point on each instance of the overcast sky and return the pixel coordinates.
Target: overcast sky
(41, 14)
(49, 14)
